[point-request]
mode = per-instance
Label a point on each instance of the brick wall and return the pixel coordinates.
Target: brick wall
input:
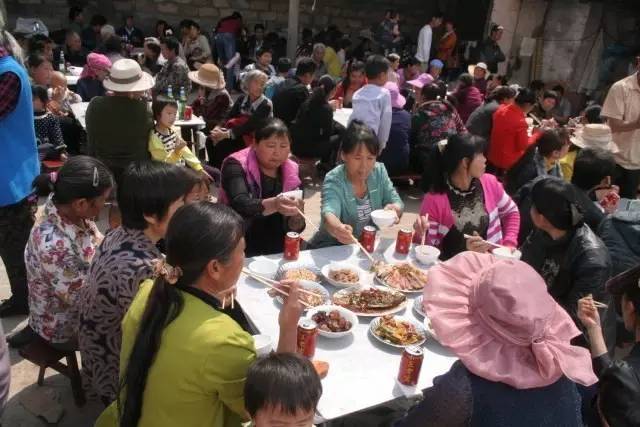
(349, 15)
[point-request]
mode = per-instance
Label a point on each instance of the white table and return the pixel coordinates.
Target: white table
(80, 111)
(362, 371)
(342, 115)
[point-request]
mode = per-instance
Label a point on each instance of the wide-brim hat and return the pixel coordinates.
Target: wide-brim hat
(397, 100)
(497, 316)
(471, 68)
(208, 75)
(595, 135)
(126, 75)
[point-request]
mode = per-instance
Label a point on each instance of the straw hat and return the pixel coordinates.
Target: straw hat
(595, 135)
(208, 75)
(482, 66)
(497, 316)
(127, 76)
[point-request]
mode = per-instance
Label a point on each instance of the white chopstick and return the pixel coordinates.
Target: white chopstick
(495, 245)
(266, 281)
(306, 218)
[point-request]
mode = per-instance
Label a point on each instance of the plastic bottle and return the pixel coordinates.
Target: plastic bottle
(170, 92)
(182, 102)
(62, 66)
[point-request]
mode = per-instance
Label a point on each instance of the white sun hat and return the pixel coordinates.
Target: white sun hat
(126, 75)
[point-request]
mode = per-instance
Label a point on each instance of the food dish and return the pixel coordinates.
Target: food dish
(373, 301)
(341, 274)
(300, 274)
(333, 321)
(397, 332)
(321, 294)
(403, 277)
(426, 254)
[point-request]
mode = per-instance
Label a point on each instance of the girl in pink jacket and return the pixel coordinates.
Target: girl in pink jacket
(462, 199)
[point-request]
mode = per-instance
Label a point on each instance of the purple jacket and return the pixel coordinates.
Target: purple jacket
(249, 162)
(468, 99)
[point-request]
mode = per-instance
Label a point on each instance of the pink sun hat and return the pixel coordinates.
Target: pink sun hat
(421, 81)
(397, 100)
(499, 319)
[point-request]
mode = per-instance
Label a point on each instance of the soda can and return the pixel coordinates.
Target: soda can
(410, 365)
(188, 112)
(291, 246)
(368, 238)
(307, 336)
(403, 241)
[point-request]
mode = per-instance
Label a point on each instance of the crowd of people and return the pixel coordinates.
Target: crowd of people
(150, 302)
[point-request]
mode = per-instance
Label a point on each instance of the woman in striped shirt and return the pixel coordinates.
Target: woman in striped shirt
(463, 200)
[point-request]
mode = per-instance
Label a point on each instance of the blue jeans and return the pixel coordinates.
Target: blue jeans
(226, 48)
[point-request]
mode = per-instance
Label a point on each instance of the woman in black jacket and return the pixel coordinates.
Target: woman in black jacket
(250, 112)
(313, 131)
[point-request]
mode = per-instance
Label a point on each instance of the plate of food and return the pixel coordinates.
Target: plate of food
(372, 301)
(397, 331)
(402, 276)
(318, 294)
(333, 321)
(298, 271)
(342, 275)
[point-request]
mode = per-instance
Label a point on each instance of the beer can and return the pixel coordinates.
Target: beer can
(188, 112)
(368, 238)
(403, 241)
(291, 246)
(307, 336)
(410, 365)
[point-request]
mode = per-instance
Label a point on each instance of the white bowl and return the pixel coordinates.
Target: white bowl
(264, 268)
(506, 253)
(263, 344)
(427, 254)
(294, 194)
(384, 218)
(341, 266)
(347, 314)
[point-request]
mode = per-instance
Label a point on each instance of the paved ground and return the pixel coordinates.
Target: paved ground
(26, 397)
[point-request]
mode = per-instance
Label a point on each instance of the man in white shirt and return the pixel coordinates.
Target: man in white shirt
(622, 110)
(372, 102)
(424, 40)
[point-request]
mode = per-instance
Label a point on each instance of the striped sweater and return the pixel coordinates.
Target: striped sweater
(504, 218)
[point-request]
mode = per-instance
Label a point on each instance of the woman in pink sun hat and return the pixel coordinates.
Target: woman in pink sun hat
(513, 341)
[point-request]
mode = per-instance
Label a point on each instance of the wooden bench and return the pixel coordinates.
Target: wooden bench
(40, 353)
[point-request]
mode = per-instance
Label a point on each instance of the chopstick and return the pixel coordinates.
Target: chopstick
(495, 245)
(273, 282)
(426, 218)
(352, 236)
(535, 119)
(265, 282)
(597, 304)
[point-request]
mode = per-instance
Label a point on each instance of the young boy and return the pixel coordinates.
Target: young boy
(60, 95)
(48, 133)
(283, 67)
(282, 390)
(372, 103)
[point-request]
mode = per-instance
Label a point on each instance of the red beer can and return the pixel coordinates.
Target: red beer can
(403, 241)
(307, 336)
(368, 238)
(410, 365)
(291, 246)
(188, 111)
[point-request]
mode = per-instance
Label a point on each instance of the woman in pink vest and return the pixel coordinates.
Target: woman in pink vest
(462, 199)
(253, 181)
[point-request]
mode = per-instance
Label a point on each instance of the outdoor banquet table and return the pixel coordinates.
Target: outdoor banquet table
(362, 371)
(342, 115)
(80, 111)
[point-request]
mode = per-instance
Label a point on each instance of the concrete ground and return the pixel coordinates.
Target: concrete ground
(27, 400)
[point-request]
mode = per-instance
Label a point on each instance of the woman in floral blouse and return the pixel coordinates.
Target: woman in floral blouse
(62, 246)
(150, 194)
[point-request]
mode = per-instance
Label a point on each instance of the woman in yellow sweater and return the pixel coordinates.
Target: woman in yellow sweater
(186, 348)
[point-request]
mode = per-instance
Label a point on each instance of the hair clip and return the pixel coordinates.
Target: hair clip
(96, 176)
(170, 274)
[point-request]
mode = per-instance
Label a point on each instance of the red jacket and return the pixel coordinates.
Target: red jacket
(509, 139)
